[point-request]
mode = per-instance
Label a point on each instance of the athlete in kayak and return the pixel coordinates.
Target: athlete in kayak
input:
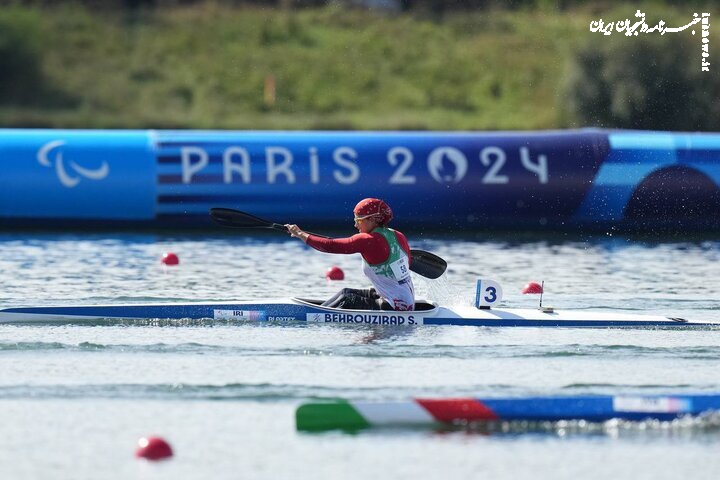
(386, 259)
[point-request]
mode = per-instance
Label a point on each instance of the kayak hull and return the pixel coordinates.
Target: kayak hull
(298, 310)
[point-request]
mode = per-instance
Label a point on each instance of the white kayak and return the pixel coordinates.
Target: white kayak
(310, 311)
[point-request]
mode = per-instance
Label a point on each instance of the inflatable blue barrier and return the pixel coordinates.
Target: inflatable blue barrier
(589, 179)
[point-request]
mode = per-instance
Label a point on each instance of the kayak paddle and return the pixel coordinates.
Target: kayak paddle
(423, 263)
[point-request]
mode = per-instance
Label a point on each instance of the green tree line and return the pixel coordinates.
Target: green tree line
(219, 64)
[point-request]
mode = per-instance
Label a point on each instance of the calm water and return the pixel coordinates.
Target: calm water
(74, 399)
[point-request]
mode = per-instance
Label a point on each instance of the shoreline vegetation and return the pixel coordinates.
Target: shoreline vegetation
(210, 65)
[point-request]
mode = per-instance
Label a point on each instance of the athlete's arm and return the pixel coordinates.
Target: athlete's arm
(372, 246)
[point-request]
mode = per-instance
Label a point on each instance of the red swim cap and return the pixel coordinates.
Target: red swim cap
(373, 207)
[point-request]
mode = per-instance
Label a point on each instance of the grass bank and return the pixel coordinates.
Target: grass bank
(206, 66)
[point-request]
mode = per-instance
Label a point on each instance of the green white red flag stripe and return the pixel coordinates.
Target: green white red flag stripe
(344, 415)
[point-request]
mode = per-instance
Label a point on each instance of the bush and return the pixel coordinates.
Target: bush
(646, 82)
(20, 55)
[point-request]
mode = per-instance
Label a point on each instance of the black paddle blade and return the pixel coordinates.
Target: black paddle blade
(228, 217)
(427, 264)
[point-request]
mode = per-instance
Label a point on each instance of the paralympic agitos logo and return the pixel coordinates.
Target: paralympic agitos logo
(68, 178)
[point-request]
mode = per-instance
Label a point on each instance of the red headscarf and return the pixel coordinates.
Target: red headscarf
(375, 208)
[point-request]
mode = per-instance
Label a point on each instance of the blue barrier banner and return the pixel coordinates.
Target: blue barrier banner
(445, 180)
(60, 174)
(686, 186)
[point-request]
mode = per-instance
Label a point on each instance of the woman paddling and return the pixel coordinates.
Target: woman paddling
(386, 260)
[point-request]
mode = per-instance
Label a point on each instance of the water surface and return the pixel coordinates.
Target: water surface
(74, 399)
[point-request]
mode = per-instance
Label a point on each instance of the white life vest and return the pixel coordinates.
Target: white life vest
(391, 278)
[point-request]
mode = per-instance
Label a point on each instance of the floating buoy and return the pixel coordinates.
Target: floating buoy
(170, 258)
(532, 288)
(335, 273)
(153, 448)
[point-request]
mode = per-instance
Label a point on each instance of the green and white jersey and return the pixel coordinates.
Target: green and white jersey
(392, 278)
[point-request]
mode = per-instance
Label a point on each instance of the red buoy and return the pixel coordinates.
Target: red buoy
(532, 288)
(335, 273)
(153, 448)
(170, 258)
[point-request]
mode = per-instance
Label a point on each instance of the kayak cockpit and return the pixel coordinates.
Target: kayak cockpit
(420, 305)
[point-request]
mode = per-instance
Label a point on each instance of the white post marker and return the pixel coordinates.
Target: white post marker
(488, 293)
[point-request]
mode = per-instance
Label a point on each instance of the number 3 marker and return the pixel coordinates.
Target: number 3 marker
(488, 293)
